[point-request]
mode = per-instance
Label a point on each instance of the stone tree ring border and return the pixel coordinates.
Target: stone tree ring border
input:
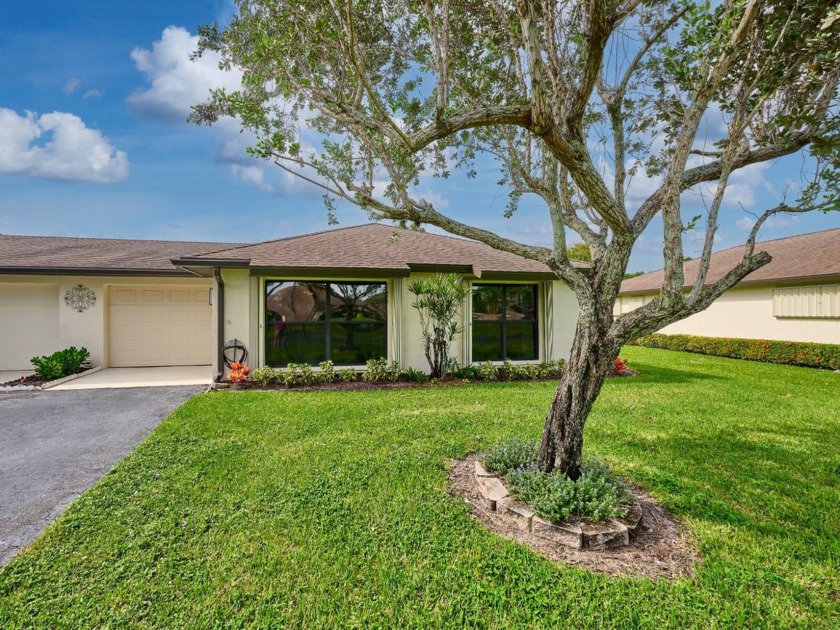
(80, 298)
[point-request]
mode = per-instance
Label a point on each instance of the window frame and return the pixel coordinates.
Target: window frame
(504, 321)
(326, 323)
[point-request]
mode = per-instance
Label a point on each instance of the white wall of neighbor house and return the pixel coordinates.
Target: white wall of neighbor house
(58, 327)
(760, 313)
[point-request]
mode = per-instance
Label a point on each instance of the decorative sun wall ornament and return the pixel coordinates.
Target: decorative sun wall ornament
(79, 298)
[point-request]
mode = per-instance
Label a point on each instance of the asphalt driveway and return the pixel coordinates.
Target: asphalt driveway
(54, 445)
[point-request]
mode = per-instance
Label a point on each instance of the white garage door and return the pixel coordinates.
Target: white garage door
(154, 326)
(28, 324)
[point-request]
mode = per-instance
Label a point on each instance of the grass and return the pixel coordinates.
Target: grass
(325, 510)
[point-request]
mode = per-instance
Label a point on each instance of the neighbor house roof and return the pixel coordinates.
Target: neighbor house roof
(374, 248)
(40, 254)
(808, 257)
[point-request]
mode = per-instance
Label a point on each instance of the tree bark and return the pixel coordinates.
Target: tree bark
(592, 357)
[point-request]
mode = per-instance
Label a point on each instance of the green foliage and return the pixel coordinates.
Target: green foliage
(348, 375)
(510, 371)
(597, 495)
(506, 457)
(465, 372)
(326, 372)
(295, 374)
(438, 301)
(487, 371)
(414, 376)
(61, 363)
(507, 370)
(803, 354)
(265, 376)
(580, 251)
(379, 370)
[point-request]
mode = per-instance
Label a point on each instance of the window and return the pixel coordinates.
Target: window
(504, 322)
(310, 322)
(811, 302)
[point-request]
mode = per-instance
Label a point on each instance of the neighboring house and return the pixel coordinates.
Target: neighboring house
(795, 297)
(122, 299)
(340, 295)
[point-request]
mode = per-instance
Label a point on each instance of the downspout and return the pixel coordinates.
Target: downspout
(220, 323)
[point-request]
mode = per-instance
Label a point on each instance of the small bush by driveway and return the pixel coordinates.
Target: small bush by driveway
(55, 445)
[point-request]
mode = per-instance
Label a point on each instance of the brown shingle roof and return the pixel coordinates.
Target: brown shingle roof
(379, 247)
(62, 253)
(812, 256)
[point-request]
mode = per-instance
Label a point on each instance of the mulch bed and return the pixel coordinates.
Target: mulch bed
(360, 385)
(661, 550)
(29, 381)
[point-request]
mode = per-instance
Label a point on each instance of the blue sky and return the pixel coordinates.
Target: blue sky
(93, 142)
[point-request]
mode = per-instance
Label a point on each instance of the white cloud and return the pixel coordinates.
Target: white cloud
(252, 175)
(94, 93)
(177, 82)
(71, 86)
(57, 146)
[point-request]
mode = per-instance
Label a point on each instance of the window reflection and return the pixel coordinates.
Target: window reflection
(309, 322)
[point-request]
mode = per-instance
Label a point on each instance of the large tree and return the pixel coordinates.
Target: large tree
(569, 100)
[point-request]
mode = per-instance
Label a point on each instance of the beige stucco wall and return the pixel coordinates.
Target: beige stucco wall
(244, 317)
(89, 328)
(748, 313)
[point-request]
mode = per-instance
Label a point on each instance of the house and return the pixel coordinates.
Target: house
(340, 294)
(795, 297)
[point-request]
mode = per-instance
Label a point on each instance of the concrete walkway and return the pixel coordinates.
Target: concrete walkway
(142, 377)
(55, 445)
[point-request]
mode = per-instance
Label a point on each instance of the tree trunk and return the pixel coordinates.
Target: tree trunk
(591, 359)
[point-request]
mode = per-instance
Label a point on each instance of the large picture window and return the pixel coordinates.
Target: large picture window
(504, 322)
(310, 322)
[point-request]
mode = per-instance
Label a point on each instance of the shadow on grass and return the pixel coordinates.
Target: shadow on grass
(649, 373)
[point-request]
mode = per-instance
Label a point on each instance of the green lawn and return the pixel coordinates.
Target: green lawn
(322, 510)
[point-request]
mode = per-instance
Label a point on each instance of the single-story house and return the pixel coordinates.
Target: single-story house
(796, 297)
(340, 294)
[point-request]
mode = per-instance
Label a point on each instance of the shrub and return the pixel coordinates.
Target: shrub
(466, 372)
(347, 375)
(506, 457)
(551, 369)
(597, 495)
(487, 371)
(438, 303)
(507, 370)
(298, 374)
(326, 372)
(60, 364)
(265, 376)
(414, 376)
(381, 370)
(803, 354)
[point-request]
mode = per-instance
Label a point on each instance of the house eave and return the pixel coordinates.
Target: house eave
(93, 271)
(329, 273)
(769, 282)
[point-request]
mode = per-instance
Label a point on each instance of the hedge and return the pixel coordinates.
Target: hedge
(801, 353)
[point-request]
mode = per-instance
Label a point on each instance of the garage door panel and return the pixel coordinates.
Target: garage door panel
(160, 326)
(28, 324)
